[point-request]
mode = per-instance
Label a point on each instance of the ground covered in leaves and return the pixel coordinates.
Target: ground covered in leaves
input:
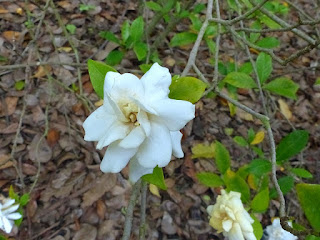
(42, 109)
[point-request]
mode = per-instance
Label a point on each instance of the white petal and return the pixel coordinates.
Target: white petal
(227, 225)
(136, 171)
(251, 236)
(156, 82)
(134, 138)
(7, 225)
(235, 233)
(97, 124)
(144, 122)
(175, 113)
(14, 216)
(157, 148)
(109, 82)
(8, 202)
(116, 158)
(176, 144)
(10, 209)
(117, 131)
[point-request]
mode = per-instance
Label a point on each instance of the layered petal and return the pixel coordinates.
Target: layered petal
(10, 209)
(116, 158)
(174, 113)
(14, 216)
(134, 138)
(136, 171)
(7, 203)
(156, 82)
(97, 124)
(157, 148)
(7, 225)
(117, 131)
(144, 122)
(176, 144)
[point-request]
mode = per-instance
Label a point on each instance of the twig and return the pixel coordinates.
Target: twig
(143, 226)
(36, 64)
(216, 57)
(130, 208)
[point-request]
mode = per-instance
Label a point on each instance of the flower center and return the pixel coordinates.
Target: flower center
(130, 111)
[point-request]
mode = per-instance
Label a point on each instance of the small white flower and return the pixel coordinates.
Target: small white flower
(229, 217)
(276, 232)
(8, 214)
(138, 121)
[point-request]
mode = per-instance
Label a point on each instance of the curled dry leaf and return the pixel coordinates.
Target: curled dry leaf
(39, 150)
(8, 106)
(284, 109)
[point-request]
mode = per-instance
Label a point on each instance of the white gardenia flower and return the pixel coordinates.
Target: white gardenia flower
(139, 122)
(229, 217)
(8, 214)
(276, 232)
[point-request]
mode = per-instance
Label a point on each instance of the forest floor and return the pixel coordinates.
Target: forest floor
(42, 109)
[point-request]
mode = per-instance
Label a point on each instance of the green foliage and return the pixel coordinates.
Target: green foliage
(236, 183)
(240, 80)
(187, 88)
(3, 59)
(283, 87)
(145, 67)
(97, 72)
(109, 36)
(209, 179)
(268, 42)
(3, 237)
(141, 50)
(246, 68)
(154, 6)
(264, 66)
(19, 85)
(309, 195)
(260, 202)
(257, 227)
(222, 157)
(125, 31)
(156, 178)
(71, 28)
(255, 36)
(259, 167)
(114, 57)
(203, 151)
(22, 201)
(184, 38)
(137, 29)
(85, 7)
(240, 141)
(300, 172)
(285, 183)
(291, 145)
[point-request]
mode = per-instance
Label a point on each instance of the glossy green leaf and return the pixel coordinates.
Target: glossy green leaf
(114, 57)
(203, 151)
(137, 29)
(209, 179)
(236, 183)
(187, 88)
(240, 80)
(240, 141)
(257, 227)
(260, 202)
(71, 28)
(251, 135)
(309, 195)
(24, 199)
(97, 72)
(283, 87)
(125, 31)
(246, 68)
(253, 37)
(145, 67)
(300, 172)
(259, 167)
(285, 183)
(154, 6)
(291, 145)
(156, 178)
(264, 66)
(140, 50)
(19, 85)
(312, 237)
(268, 42)
(184, 38)
(222, 157)
(109, 36)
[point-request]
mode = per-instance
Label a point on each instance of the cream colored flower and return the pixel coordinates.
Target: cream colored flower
(8, 214)
(229, 217)
(138, 122)
(276, 232)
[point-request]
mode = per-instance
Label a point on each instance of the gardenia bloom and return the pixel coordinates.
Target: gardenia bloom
(229, 217)
(8, 214)
(276, 232)
(139, 122)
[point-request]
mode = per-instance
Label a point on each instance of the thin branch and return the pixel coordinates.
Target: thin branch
(143, 226)
(36, 64)
(216, 56)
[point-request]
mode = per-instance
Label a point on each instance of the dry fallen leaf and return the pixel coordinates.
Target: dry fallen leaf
(101, 209)
(42, 71)
(284, 109)
(2, 10)
(11, 35)
(99, 103)
(8, 106)
(53, 137)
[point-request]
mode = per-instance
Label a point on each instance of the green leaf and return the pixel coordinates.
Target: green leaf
(3, 237)
(125, 31)
(312, 237)
(114, 57)
(309, 195)
(246, 68)
(141, 50)
(184, 38)
(156, 178)
(222, 157)
(109, 36)
(240, 80)
(236, 183)
(259, 167)
(3, 59)
(145, 67)
(154, 6)
(269, 22)
(85, 7)
(316, 83)
(253, 37)
(291, 145)
(257, 227)
(12, 194)
(251, 135)
(260, 202)
(24, 199)
(19, 85)
(199, 8)
(240, 141)
(71, 28)
(211, 45)
(209, 179)
(203, 151)
(137, 29)
(283, 87)
(268, 42)
(300, 172)
(187, 88)
(285, 183)
(97, 72)
(264, 66)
